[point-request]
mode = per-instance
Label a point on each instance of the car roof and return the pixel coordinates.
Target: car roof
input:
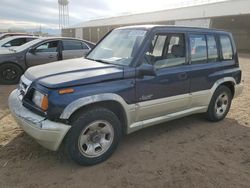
(173, 27)
(61, 38)
(21, 36)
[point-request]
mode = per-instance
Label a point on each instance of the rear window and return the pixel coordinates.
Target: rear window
(226, 47)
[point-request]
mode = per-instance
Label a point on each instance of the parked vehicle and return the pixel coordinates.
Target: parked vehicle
(14, 61)
(15, 41)
(5, 35)
(135, 77)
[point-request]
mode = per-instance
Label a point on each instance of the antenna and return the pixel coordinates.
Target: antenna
(63, 13)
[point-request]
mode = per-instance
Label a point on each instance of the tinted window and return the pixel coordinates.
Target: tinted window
(166, 50)
(198, 49)
(48, 47)
(212, 49)
(226, 48)
(16, 42)
(72, 45)
(30, 39)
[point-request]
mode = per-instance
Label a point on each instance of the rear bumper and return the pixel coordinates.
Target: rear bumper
(238, 90)
(47, 133)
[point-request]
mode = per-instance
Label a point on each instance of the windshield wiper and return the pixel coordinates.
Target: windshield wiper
(101, 61)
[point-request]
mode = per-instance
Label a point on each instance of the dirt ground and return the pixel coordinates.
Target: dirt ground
(189, 152)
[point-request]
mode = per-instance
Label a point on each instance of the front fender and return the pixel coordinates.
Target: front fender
(79, 103)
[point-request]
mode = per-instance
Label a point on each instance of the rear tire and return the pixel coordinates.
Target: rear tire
(220, 104)
(94, 136)
(10, 73)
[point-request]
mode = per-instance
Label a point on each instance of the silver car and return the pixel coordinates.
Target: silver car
(14, 61)
(15, 41)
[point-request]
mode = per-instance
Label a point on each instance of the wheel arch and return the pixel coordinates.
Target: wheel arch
(113, 102)
(12, 62)
(228, 82)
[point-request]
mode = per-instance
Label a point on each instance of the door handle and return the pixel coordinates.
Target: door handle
(51, 56)
(182, 76)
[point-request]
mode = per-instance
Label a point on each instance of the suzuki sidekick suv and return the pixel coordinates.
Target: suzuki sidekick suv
(135, 77)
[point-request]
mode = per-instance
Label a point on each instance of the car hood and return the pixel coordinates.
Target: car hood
(73, 72)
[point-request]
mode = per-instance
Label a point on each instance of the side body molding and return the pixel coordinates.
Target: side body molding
(74, 106)
(201, 98)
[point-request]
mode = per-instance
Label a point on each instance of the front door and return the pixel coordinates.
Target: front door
(168, 91)
(44, 53)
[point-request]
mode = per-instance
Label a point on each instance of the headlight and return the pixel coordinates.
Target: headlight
(40, 100)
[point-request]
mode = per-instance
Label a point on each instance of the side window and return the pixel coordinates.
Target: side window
(212, 49)
(72, 45)
(226, 47)
(198, 48)
(48, 47)
(16, 42)
(166, 50)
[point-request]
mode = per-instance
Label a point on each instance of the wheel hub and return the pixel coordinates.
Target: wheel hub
(95, 137)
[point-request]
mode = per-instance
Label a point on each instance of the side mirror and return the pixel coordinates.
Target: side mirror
(32, 51)
(146, 70)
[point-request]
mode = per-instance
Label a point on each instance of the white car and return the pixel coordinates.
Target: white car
(15, 41)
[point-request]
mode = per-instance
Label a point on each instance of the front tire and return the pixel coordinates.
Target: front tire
(10, 73)
(94, 136)
(220, 104)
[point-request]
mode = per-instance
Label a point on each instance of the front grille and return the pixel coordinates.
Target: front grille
(23, 87)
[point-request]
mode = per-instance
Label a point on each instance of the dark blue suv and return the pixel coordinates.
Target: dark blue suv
(135, 77)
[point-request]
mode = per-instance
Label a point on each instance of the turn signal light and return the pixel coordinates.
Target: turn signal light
(45, 103)
(66, 91)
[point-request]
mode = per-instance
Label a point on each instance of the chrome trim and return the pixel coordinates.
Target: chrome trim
(22, 90)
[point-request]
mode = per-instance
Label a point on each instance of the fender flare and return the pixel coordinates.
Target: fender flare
(81, 102)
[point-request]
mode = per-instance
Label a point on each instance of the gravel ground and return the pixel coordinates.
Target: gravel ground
(188, 152)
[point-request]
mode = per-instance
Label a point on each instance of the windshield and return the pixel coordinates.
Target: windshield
(27, 45)
(119, 47)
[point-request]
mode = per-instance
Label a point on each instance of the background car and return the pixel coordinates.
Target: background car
(15, 41)
(14, 61)
(5, 35)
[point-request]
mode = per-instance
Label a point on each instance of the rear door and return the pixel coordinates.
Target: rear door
(74, 49)
(45, 52)
(207, 65)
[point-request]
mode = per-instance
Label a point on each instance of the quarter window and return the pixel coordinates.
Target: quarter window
(198, 49)
(212, 49)
(226, 48)
(166, 50)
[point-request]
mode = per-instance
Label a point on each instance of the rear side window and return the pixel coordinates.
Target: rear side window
(212, 49)
(72, 45)
(226, 47)
(198, 49)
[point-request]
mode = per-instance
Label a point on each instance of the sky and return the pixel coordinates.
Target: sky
(26, 14)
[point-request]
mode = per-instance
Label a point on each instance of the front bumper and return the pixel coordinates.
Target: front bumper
(238, 90)
(47, 133)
